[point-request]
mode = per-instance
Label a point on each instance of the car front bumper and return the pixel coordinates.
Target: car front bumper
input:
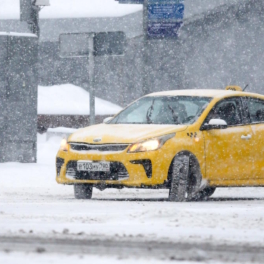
(138, 174)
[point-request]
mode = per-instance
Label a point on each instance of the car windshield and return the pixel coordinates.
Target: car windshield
(163, 110)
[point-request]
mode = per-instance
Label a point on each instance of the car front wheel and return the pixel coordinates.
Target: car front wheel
(185, 178)
(83, 191)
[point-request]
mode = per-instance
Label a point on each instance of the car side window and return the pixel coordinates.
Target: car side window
(229, 110)
(256, 110)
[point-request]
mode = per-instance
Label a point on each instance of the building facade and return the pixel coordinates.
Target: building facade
(221, 43)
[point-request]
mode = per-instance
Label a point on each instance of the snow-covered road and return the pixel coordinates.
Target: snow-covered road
(32, 204)
(133, 249)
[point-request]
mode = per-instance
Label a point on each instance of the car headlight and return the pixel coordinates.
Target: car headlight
(64, 146)
(150, 145)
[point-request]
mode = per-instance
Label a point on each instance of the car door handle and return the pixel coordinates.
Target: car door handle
(246, 137)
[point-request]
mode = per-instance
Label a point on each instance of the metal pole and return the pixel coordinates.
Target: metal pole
(35, 19)
(145, 87)
(91, 79)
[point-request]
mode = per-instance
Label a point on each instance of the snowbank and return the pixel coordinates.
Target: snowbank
(69, 99)
(62, 132)
(18, 34)
(9, 9)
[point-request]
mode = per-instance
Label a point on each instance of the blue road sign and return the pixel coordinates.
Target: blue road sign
(164, 17)
(163, 29)
(165, 11)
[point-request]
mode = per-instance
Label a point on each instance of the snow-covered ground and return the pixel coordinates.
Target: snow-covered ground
(69, 99)
(32, 203)
(20, 258)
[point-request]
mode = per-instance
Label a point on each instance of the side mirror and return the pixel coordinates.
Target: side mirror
(215, 124)
(106, 120)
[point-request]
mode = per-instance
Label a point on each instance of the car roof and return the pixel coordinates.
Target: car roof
(202, 93)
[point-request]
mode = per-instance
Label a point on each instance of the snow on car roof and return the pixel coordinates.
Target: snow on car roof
(204, 93)
(195, 92)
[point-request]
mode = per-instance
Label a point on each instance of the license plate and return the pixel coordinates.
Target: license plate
(103, 166)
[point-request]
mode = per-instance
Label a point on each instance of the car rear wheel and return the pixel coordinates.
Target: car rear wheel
(205, 193)
(185, 178)
(83, 191)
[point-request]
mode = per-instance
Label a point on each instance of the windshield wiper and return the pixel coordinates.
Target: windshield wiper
(149, 112)
(174, 115)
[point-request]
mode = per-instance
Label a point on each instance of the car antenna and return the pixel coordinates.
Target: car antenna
(245, 87)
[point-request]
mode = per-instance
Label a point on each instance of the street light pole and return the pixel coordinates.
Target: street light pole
(145, 86)
(91, 78)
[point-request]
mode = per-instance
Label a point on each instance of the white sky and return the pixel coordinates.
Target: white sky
(9, 9)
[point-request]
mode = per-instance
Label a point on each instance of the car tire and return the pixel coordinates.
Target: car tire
(83, 191)
(205, 193)
(185, 178)
(179, 179)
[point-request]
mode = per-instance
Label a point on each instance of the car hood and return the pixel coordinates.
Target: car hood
(120, 133)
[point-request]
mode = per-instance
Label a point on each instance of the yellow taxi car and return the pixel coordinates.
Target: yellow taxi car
(187, 141)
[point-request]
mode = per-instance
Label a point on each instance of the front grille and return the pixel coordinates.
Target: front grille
(59, 163)
(117, 172)
(102, 147)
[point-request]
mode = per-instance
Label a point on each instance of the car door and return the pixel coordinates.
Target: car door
(255, 108)
(227, 150)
